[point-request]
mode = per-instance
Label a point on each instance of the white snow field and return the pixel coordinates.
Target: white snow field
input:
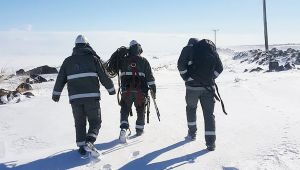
(261, 130)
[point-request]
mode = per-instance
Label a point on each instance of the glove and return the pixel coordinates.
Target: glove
(154, 95)
(153, 89)
(55, 98)
(112, 92)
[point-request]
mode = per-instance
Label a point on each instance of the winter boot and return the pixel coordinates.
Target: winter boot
(191, 135)
(139, 132)
(123, 136)
(82, 151)
(211, 147)
(89, 147)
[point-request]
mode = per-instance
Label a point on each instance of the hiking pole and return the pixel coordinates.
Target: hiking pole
(155, 105)
(148, 108)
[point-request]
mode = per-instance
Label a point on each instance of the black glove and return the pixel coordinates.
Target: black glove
(112, 92)
(55, 98)
(153, 90)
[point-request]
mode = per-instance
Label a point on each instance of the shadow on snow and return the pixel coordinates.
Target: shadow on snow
(62, 160)
(143, 162)
(68, 159)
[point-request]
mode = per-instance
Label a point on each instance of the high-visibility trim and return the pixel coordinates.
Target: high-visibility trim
(216, 73)
(210, 133)
(190, 63)
(189, 79)
(131, 91)
(75, 76)
(56, 93)
(111, 89)
(151, 83)
(183, 72)
(92, 135)
(198, 88)
(130, 74)
(78, 96)
(139, 126)
(192, 123)
(124, 122)
(80, 143)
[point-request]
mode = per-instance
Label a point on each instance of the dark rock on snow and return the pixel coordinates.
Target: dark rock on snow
(43, 70)
(20, 72)
(23, 87)
(35, 79)
(258, 69)
(28, 94)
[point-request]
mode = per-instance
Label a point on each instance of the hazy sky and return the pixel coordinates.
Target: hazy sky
(44, 31)
(232, 17)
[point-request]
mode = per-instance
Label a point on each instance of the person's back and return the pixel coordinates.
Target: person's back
(136, 79)
(199, 64)
(82, 72)
(144, 77)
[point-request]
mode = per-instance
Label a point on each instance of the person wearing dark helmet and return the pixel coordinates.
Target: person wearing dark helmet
(82, 72)
(136, 80)
(199, 65)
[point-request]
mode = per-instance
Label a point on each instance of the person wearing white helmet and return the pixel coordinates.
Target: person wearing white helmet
(82, 72)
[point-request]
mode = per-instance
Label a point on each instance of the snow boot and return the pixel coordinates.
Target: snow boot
(89, 147)
(191, 136)
(82, 151)
(211, 147)
(123, 136)
(139, 132)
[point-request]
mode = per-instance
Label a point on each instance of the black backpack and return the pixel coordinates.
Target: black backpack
(204, 58)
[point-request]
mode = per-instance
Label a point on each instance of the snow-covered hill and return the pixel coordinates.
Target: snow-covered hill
(260, 132)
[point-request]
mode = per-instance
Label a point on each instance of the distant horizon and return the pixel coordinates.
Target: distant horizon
(20, 49)
(221, 38)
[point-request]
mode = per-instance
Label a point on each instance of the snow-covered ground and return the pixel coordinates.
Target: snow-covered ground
(260, 132)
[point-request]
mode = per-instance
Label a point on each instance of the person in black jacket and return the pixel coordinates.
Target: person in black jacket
(198, 88)
(136, 79)
(82, 72)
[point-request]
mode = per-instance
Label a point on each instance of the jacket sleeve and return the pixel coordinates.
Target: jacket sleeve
(183, 62)
(104, 79)
(149, 76)
(219, 66)
(61, 80)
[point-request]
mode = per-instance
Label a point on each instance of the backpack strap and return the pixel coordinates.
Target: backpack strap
(216, 96)
(222, 103)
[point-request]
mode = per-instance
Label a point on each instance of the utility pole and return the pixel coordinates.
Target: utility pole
(215, 31)
(265, 26)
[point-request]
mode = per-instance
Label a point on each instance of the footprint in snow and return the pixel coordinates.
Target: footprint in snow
(107, 167)
(135, 154)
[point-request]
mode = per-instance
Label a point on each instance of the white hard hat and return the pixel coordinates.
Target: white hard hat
(81, 40)
(133, 42)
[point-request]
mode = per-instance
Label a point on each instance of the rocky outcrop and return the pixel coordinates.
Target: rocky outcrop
(43, 70)
(275, 59)
(7, 96)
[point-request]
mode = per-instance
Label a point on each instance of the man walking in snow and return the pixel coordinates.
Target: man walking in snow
(82, 72)
(199, 65)
(136, 80)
